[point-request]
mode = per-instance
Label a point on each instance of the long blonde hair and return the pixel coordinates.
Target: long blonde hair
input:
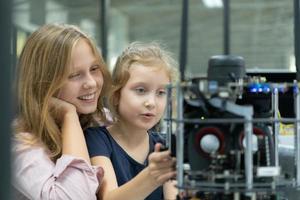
(150, 54)
(43, 67)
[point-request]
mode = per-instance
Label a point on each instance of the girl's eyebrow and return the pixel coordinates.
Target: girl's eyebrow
(94, 62)
(139, 83)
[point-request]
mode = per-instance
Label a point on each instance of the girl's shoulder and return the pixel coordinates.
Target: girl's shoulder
(26, 141)
(99, 141)
(25, 148)
(97, 130)
(99, 133)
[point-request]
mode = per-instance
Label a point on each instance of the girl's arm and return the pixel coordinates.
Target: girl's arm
(71, 176)
(73, 141)
(159, 170)
(170, 190)
(38, 177)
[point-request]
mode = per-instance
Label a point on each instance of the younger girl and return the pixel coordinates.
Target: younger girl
(130, 153)
(62, 78)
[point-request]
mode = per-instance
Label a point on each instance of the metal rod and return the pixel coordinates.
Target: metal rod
(248, 129)
(104, 8)
(169, 117)
(275, 99)
(179, 138)
(297, 133)
(234, 120)
(184, 38)
(226, 24)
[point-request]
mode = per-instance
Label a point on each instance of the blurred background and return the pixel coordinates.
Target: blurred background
(260, 31)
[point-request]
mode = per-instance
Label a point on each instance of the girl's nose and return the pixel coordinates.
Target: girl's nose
(150, 102)
(90, 82)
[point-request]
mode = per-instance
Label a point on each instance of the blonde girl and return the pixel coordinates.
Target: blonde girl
(61, 81)
(129, 152)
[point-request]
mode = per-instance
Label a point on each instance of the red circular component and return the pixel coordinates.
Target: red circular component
(209, 131)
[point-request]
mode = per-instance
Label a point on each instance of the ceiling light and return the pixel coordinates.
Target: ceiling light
(213, 3)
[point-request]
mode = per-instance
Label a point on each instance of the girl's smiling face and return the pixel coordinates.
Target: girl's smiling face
(84, 84)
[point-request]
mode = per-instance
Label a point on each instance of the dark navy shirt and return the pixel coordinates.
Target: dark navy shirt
(101, 143)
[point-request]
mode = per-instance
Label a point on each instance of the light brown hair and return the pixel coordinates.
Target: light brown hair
(148, 54)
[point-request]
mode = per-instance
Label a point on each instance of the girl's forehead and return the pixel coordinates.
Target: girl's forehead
(154, 67)
(144, 70)
(142, 73)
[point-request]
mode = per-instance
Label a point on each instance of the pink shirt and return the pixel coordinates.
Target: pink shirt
(37, 177)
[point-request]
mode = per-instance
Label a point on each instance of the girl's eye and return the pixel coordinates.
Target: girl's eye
(95, 68)
(161, 93)
(140, 90)
(74, 75)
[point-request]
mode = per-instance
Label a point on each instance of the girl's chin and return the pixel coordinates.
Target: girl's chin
(85, 111)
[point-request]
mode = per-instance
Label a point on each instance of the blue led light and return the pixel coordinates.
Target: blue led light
(259, 88)
(253, 89)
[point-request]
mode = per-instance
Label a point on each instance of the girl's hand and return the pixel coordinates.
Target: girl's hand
(161, 165)
(59, 108)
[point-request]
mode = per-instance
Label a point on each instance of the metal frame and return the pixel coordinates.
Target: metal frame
(104, 16)
(249, 187)
(5, 101)
(184, 38)
(226, 24)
